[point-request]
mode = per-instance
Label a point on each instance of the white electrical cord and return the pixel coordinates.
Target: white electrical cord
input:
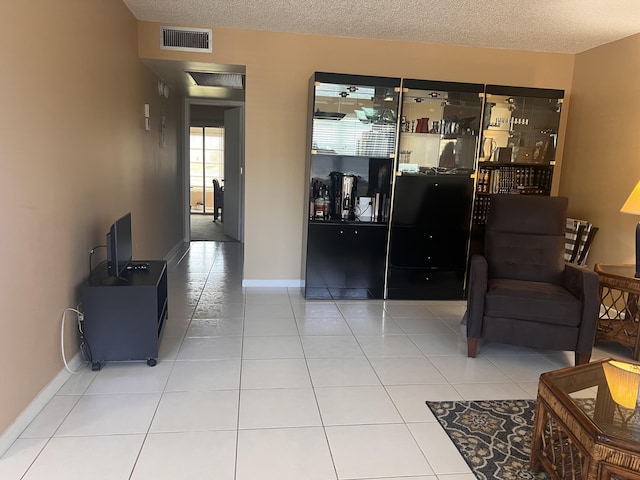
(66, 365)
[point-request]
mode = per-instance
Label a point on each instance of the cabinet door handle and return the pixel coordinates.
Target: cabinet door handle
(356, 232)
(341, 231)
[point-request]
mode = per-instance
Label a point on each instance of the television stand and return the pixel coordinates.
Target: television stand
(124, 317)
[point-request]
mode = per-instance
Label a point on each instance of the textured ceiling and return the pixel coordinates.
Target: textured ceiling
(563, 26)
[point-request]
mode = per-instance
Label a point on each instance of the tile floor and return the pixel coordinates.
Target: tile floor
(256, 384)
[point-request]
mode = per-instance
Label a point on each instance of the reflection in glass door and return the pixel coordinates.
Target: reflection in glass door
(206, 163)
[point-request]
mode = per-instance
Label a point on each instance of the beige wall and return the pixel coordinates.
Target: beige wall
(74, 157)
(602, 148)
(279, 66)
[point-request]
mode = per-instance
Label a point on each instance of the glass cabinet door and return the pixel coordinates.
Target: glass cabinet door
(439, 127)
(520, 125)
(354, 115)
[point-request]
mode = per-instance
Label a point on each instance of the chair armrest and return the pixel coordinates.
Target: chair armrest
(478, 277)
(584, 285)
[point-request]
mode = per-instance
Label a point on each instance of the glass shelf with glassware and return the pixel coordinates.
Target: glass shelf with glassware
(520, 125)
(439, 127)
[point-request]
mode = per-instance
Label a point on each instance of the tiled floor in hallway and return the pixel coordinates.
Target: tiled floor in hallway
(260, 384)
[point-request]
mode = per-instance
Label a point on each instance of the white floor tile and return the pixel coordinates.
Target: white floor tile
(284, 346)
(353, 408)
(109, 457)
(77, 384)
(210, 348)
(171, 456)
(214, 327)
(363, 451)
(524, 368)
(446, 308)
(337, 372)
(110, 414)
(275, 373)
(468, 370)
(50, 417)
(17, 459)
(410, 400)
(316, 310)
(284, 454)
(266, 327)
(218, 310)
(442, 455)
(169, 347)
(406, 371)
(436, 345)
(362, 310)
(130, 377)
(430, 325)
(356, 405)
(491, 391)
(262, 312)
(372, 326)
(402, 309)
(389, 346)
(176, 328)
(204, 375)
(278, 407)
(323, 326)
(267, 298)
(196, 411)
(331, 347)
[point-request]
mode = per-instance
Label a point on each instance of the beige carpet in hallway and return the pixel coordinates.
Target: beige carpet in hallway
(203, 228)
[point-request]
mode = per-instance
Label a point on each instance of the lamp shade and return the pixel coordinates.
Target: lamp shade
(632, 205)
(623, 380)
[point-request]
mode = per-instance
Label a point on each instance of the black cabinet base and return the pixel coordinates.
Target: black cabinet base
(314, 293)
(425, 284)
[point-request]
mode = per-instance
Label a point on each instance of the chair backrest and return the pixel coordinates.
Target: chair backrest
(579, 236)
(525, 237)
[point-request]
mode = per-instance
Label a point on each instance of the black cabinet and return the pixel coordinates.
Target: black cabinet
(123, 317)
(429, 236)
(345, 260)
(353, 122)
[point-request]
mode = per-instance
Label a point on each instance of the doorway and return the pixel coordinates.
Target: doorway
(206, 169)
(214, 165)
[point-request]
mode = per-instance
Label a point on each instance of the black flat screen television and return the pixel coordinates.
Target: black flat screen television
(119, 246)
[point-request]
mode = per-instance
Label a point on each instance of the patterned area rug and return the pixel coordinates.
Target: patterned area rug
(494, 437)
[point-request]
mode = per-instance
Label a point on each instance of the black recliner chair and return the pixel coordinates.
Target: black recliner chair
(521, 291)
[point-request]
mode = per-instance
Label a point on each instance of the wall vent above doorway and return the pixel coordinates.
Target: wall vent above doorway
(186, 39)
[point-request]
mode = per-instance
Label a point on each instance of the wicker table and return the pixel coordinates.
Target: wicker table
(579, 433)
(619, 319)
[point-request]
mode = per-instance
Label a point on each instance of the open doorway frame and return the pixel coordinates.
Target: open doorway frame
(234, 166)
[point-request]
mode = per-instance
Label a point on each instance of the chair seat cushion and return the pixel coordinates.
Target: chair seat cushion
(532, 301)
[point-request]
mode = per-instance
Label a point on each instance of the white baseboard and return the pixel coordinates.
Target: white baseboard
(23, 420)
(273, 283)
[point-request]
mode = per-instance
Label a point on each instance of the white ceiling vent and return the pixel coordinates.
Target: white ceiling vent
(186, 39)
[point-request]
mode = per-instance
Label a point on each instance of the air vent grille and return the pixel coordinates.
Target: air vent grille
(186, 39)
(209, 79)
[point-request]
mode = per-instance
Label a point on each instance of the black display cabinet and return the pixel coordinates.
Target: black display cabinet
(124, 317)
(433, 189)
(352, 129)
(518, 148)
